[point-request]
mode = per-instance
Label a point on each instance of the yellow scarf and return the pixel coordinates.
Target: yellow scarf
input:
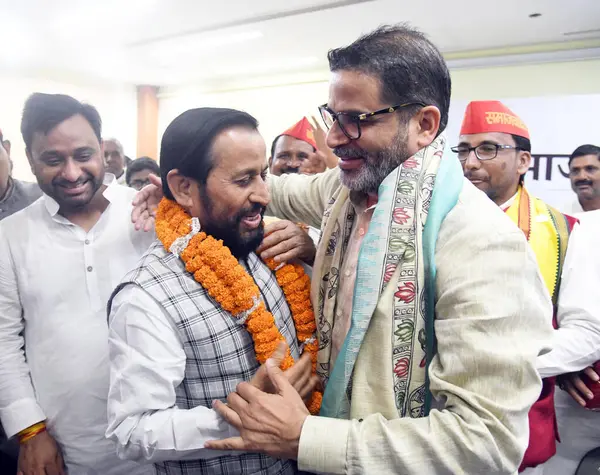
(547, 231)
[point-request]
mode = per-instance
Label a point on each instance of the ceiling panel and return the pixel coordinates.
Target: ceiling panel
(183, 41)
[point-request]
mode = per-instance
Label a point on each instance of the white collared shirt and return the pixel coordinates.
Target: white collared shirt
(509, 203)
(55, 281)
(576, 343)
(573, 207)
(148, 362)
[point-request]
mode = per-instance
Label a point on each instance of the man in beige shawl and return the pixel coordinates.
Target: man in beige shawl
(431, 311)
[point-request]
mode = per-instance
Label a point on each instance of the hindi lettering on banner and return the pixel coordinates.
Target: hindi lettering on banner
(557, 124)
(548, 176)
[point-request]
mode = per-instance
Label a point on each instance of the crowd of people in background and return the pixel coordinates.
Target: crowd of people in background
(158, 316)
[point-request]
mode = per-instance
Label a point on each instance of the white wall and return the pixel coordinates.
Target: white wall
(116, 104)
(558, 101)
(276, 107)
(279, 106)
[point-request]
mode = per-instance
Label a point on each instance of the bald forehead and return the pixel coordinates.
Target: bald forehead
(112, 144)
(285, 143)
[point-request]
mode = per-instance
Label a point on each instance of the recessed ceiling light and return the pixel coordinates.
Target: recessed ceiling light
(535, 15)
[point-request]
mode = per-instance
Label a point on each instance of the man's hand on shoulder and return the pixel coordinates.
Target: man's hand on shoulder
(145, 204)
(40, 455)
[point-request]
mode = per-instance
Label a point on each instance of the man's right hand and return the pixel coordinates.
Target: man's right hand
(145, 204)
(300, 375)
(40, 455)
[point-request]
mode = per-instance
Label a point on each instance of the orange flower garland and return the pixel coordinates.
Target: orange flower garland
(218, 271)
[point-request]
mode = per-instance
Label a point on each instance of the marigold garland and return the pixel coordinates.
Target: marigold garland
(226, 281)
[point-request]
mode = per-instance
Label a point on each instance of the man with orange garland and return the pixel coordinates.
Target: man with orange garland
(202, 310)
(416, 334)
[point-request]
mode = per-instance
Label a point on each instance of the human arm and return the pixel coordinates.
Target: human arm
(302, 198)
(18, 405)
(576, 342)
(298, 198)
(19, 408)
(147, 363)
(483, 375)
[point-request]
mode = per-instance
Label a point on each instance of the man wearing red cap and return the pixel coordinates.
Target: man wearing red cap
(494, 150)
(295, 151)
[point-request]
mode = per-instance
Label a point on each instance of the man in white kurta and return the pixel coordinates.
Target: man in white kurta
(576, 344)
(56, 274)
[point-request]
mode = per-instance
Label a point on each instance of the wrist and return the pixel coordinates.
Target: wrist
(30, 432)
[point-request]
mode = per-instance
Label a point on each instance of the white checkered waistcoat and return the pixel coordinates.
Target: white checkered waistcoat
(220, 352)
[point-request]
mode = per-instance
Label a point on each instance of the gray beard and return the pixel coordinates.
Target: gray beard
(377, 166)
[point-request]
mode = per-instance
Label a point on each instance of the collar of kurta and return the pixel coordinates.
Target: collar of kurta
(109, 181)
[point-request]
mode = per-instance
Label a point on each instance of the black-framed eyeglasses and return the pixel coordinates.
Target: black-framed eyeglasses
(350, 123)
(484, 151)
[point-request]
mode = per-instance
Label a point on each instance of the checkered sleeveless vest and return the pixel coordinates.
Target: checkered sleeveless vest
(220, 353)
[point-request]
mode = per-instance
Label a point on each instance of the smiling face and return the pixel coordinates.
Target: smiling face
(68, 163)
(384, 142)
(289, 154)
(584, 173)
(499, 177)
(232, 203)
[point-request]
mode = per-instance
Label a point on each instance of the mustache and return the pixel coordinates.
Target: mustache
(255, 209)
(349, 153)
(471, 176)
(583, 182)
(71, 184)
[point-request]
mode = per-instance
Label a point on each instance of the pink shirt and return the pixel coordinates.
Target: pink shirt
(343, 311)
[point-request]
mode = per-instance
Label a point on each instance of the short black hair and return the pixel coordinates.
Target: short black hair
(139, 164)
(187, 143)
(274, 145)
(409, 67)
(43, 112)
(582, 150)
(524, 144)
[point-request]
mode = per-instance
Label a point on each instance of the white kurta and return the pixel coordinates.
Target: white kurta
(572, 208)
(55, 280)
(147, 363)
(579, 345)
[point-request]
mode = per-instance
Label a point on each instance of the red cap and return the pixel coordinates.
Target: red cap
(302, 130)
(492, 116)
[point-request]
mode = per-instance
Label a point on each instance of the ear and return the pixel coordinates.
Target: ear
(6, 145)
(426, 126)
(524, 161)
(182, 188)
